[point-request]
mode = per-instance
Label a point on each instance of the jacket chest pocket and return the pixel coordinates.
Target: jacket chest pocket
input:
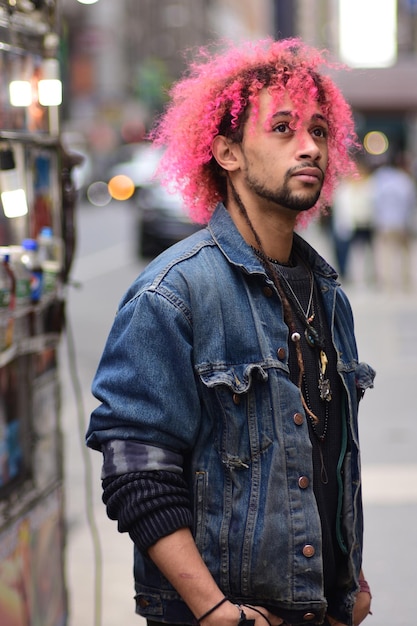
(238, 402)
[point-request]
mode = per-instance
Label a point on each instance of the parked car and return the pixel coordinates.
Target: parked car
(138, 161)
(162, 220)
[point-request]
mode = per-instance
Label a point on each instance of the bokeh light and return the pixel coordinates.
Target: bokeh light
(98, 193)
(121, 187)
(376, 142)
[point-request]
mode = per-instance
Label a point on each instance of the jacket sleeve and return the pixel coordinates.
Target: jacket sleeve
(145, 381)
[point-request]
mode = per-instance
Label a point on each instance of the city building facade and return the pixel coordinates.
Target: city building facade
(121, 54)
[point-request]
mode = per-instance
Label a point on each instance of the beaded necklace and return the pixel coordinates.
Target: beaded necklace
(314, 340)
(312, 336)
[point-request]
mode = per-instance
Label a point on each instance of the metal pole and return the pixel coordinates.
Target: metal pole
(284, 19)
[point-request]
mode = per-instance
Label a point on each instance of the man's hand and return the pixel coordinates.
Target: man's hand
(362, 607)
(360, 610)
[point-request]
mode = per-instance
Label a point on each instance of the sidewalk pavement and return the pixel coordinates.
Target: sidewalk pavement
(113, 563)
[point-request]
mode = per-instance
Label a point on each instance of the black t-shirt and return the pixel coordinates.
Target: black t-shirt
(326, 434)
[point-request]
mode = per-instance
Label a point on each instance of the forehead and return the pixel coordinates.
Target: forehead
(273, 104)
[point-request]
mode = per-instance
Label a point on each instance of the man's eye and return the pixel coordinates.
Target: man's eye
(320, 132)
(281, 128)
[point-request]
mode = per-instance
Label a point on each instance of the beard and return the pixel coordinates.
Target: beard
(284, 196)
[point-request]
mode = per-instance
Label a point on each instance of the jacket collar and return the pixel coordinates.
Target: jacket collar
(239, 253)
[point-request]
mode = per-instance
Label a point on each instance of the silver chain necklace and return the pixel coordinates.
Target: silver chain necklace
(308, 318)
(311, 335)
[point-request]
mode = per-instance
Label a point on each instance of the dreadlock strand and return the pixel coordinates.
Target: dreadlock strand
(288, 314)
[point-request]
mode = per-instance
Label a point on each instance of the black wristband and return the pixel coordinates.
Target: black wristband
(213, 608)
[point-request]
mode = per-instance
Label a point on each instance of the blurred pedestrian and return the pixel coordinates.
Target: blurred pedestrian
(395, 207)
(342, 224)
(353, 226)
(230, 382)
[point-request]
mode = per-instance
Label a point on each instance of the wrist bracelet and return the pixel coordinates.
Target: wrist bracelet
(364, 587)
(213, 608)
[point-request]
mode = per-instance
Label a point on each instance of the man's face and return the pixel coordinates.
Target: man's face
(283, 164)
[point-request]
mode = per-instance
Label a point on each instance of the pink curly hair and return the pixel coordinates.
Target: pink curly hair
(213, 99)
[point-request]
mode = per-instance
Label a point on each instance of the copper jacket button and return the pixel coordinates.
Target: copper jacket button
(298, 419)
(308, 551)
(308, 616)
(236, 398)
(267, 292)
(281, 352)
(303, 482)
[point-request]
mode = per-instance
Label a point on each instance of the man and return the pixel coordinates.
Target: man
(230, 383)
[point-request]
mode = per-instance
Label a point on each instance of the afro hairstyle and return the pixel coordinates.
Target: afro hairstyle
(213, 97)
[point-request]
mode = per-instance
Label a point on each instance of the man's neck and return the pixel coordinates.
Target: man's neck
(273, 226)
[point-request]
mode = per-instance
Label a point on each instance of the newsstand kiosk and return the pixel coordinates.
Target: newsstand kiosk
(36, 202)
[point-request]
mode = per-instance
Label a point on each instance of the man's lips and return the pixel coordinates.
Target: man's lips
(309, 174)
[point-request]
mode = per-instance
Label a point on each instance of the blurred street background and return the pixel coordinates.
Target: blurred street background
(118, 59)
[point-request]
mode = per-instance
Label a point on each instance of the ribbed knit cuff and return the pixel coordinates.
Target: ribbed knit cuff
(148, 505)
(159, 524)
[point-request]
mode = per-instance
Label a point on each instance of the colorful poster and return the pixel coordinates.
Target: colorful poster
(32, 581)
(11, 444)
(43, 175)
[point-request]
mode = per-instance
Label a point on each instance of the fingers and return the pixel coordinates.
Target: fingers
(268, 618)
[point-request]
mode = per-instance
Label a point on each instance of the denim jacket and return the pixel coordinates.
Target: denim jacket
(194, 379)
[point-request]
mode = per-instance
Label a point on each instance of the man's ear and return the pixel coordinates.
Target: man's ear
(226, 153)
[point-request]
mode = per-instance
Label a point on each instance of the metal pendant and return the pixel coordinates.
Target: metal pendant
(311, 336)
(324, 383)
(324, 388)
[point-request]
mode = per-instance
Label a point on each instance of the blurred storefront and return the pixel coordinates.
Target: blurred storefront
(123, 56)
(36, 249)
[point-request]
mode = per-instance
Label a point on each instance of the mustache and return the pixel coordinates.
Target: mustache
(303, 166)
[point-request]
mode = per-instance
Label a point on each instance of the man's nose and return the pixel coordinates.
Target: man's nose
(308, 148)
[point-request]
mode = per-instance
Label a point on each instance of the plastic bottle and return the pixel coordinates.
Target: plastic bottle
(50, 257)
(22, 277)
(7, 302)
(30, 258)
